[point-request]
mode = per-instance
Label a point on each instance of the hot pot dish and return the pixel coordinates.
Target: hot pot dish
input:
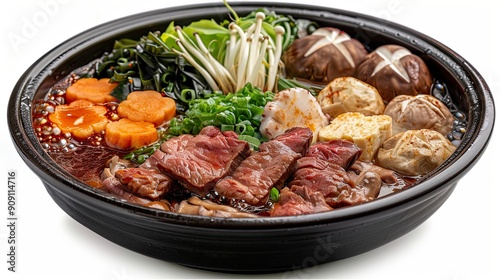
(203, 134)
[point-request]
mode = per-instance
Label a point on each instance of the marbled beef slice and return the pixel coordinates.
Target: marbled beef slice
(321, 176)
(299, 201)
(298, 139)
(341, 152)
(317, 182)
(269, 167)
(199, 162)
(259, 173)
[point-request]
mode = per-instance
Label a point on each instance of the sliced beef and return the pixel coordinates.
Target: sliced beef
(322, 176)
(341, 152)
(297, 138)
(152, 161)
(259, 173)
(270, 167)
(317, 182)
(178, 143)
(199, 162)
(299, 201)
(147, 183)
(329, 179)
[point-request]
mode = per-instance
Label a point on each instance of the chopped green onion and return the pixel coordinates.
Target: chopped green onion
(252, 141)
(274, 195)
(240, 112)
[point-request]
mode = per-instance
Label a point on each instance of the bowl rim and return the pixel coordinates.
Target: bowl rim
(482, 114)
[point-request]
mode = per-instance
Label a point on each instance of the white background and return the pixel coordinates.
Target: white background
(460, 241)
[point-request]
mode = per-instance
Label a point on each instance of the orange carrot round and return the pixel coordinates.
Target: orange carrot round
(81, 118)
(125, 134)
(91, 89)
(149, 106)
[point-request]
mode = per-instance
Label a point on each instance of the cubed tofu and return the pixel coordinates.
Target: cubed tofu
(368, 132)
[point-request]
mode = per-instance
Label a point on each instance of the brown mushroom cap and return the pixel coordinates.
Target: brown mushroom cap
(324, 55)
(417, 112)
(394, 71)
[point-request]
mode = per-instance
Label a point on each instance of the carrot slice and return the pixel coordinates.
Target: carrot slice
(91, 89)
(81, 118)
(149, 106)
(125, 134)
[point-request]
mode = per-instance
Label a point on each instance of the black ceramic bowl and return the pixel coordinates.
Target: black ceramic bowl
(263, 244)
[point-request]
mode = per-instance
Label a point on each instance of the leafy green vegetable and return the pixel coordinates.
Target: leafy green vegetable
(149, 63)
(213, 35)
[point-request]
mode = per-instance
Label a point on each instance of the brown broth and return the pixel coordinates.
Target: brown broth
(82, 158)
